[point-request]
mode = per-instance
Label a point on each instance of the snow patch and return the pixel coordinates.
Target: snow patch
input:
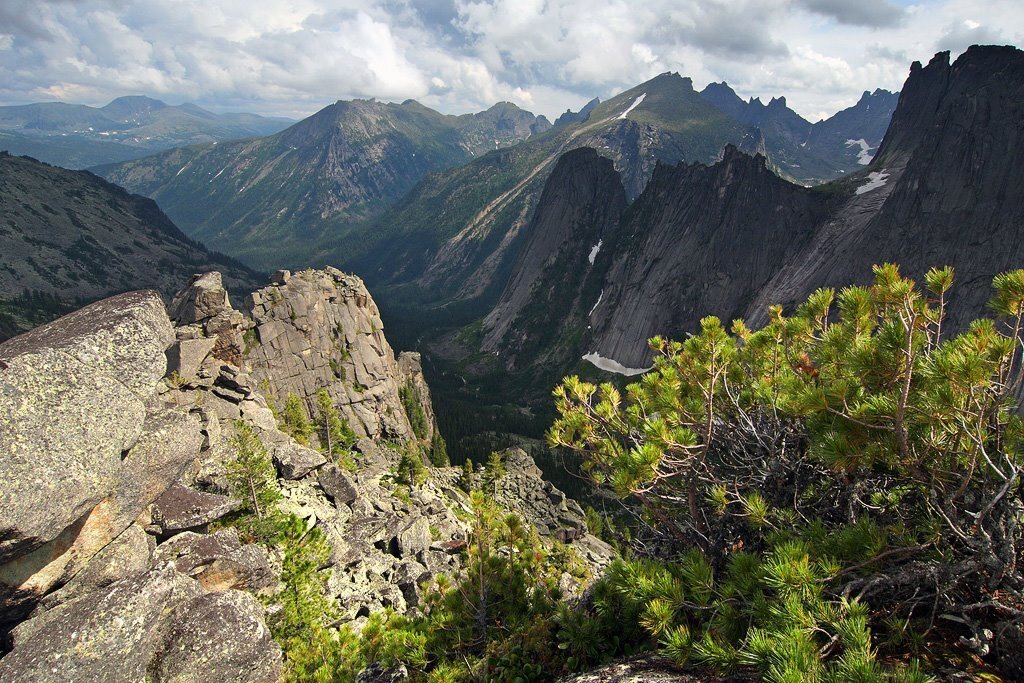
(634, 105)
(609, 365)
(599, 297)
(182, 169)
(593, 250)
(218, 173)
(864, 155)
(876, 179)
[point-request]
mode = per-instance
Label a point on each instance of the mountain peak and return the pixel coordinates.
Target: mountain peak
(131, 105)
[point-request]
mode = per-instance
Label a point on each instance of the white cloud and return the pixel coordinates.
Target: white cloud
(462, 55)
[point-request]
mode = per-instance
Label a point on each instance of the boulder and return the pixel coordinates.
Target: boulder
(294, 461)
(181, 508)
(219, 637)
(72, 403)
(338, 486)
(128, 555)
(218, 561)
(203, 298)
(144, 628)
(413, 538)
(185, 357)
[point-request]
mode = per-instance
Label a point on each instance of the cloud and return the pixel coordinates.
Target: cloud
(960, 35)
(463, 55)
(873, 13)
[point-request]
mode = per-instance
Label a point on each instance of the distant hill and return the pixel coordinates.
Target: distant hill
(270, 200)
(79, 136)
(70, 237)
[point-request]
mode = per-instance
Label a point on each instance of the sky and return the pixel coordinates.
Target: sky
(293, 58)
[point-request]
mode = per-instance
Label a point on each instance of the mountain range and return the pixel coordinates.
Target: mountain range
(267, 200)
(377, 176)
(79, 136)
(597, 277)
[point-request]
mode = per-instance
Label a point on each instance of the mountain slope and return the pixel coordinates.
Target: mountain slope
(455, 236)
(78, 136)
(266, 199)
(69, 237)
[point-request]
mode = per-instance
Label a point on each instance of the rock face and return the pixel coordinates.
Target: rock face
(946, 188)
(321, 329)
(570, 239)
(159, 626)
(92, 450)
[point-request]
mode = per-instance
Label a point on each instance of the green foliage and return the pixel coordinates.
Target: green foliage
(495, 468)
(411, 470)
(294, 420)
(414, 410)
(854, 448)
(251, 476)
(334, 433)
(301, 612)
(439, 451)
(467, 477)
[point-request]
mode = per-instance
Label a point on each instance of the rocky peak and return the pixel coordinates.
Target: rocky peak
(321, 330)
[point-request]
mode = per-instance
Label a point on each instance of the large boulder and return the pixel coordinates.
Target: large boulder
(169, 443)
(218, 637)
(180, 508)
(159, 626)
(294, 461)
(219, 561)
(73, 395)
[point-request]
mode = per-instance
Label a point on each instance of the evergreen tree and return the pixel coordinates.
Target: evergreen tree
(336, 437)
(439, 451)
(295, 420)
(251, 474)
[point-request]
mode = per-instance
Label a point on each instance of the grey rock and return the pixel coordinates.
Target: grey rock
(219, 637)
(280, 277)
(338, 486)
(413, 538)
(378, 673)
(126, 632)
(294, 461)
(640, 669)
(203, 298)
(185, 357)
(219, 561)
(322, 330)
(181, 508)
(128, 555)
(72, 403)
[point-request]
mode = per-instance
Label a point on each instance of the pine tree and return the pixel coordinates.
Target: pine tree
(439, 451)
(336, 437)
(251, 475)
(295, 421)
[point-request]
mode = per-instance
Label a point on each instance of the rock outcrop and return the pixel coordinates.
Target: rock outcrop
(107, 543)
(321, 330)
(90, 447)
